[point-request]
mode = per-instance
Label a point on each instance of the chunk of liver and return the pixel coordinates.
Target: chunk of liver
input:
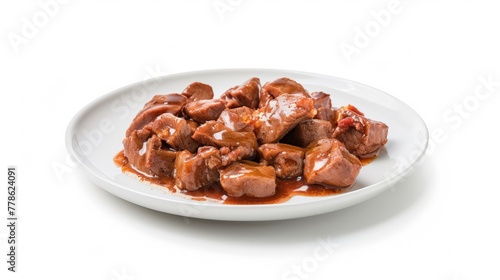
(246, 94)
(234, 146)
(159, 104)
(198, 91)
(321, 100)
(248, 178)
(309, 131)
(272, 90)
(204, 110)
(145, 153)
(159, 161)
(194, 171)
(281, 115)
(327, 114)
(362, 136)
(238, 119)
(287, 160)
(329, 163)
(176, 132)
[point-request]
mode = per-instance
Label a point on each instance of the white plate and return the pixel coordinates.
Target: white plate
(95, 134)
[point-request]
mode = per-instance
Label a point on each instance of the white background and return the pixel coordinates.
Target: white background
(439, 223)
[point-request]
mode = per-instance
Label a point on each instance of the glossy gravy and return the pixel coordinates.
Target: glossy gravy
(285, 189)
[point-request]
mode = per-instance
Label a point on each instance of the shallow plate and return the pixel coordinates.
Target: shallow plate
(95, 134)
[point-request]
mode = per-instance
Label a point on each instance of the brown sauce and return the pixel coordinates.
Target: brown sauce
(366, 161)
(285, 189)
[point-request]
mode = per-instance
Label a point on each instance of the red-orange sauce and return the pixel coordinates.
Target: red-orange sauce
(366, 161)
(285, 189)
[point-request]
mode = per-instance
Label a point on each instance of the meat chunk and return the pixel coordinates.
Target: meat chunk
(238, 119)
(166, 99)
(246, 94)
(158, 160)
(175, 131)
(148, 149)
(145, 153)
(327, 114)
(234, 146)
(200, 142)
(272, 90)
(159, 104)
(196, 171)
(248, 178)
(308, 131)
(362, 136)
(280, 115)
(204, 110)
(134, 151)
(198, 91)
(321, 100)
(329, 163)
(287, 160)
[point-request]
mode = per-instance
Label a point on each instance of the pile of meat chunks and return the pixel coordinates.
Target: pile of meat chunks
(250, 137)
